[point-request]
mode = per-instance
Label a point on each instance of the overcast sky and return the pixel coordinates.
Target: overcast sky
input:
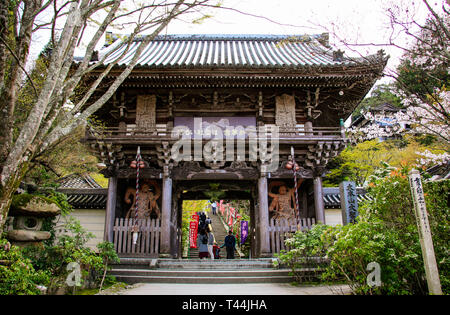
(355, 20)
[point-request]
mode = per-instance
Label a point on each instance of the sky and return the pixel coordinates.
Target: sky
(355, 20)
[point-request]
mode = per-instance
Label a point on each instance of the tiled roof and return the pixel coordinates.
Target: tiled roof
(332, 198)
(95, 199)
(78, 181)
(234, 51)
(83, 192)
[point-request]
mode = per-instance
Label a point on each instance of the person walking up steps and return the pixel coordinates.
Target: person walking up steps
(230, 244)
(210, 243)
(202, 244)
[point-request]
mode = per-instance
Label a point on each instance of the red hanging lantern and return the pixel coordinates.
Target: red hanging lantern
(289, 165)
(133, 164)
(141, 164)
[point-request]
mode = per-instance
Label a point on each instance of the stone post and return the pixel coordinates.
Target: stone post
(166, 216)
(318, 199)
(263, 213)
(349, 202)
(110, 209)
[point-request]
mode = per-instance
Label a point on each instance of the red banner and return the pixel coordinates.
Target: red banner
(193, 228)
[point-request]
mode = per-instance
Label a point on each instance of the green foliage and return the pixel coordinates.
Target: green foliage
(386, 233)
(381, 94)
(70, 247)
(17, 274)
(357, 163)
(307, 250)
(424, 66)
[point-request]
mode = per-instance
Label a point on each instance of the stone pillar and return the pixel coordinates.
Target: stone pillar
(318, 200)
(110, 209)
(263, 213)
(166, 216)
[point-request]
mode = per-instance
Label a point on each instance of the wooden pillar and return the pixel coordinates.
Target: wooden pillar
(263, 213)
(110, 209)
(318, 200)
(309, 128)
(166, 216)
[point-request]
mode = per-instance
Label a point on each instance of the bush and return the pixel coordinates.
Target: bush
(17, 275)
(71, 248)
(305, 259)
(386, 233)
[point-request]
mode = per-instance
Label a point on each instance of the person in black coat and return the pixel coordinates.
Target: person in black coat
(230, 245)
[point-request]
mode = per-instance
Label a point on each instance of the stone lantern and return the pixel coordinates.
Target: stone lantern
(29, 212)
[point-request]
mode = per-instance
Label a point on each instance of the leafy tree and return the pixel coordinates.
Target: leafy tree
(359, 162)
(383, 93)
(56, 109)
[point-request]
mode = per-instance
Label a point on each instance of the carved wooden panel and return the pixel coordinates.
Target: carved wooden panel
(285, 111)
(146, 113)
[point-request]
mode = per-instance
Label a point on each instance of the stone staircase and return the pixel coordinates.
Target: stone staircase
(219, 271)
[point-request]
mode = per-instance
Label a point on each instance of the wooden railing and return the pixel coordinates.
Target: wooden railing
(280, 230)
(148, 237)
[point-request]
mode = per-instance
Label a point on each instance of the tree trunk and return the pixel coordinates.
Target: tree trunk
(7, 191)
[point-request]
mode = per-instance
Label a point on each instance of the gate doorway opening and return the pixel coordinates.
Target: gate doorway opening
(234, 215)
(234, 210)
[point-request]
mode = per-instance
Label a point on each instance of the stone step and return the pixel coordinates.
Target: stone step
(193, 276)
(148, 263)
(201, 273)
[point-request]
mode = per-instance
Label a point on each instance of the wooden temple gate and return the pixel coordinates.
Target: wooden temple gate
(297, 93)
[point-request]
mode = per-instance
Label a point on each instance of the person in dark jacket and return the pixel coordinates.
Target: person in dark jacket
(230, 245)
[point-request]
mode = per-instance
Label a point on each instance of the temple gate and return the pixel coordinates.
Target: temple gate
(245, 112)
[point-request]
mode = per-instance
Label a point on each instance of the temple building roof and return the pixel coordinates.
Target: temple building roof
(83, 192)
(232, 51)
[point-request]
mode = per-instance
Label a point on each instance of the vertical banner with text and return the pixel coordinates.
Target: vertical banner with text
(244, 231)
(193, 228)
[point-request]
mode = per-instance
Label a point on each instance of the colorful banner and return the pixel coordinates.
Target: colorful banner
(244, 231)
(193, 229)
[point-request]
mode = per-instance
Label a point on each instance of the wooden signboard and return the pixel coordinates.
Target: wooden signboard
(426, 242)
(146, 113)
(349, 202)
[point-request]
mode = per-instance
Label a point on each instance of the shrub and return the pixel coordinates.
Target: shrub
(308, 249)
(70, 248)
(17, 275)
(386, 233)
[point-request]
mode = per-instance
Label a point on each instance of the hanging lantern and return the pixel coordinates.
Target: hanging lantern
(289, 165)
(297, 167)
(135, 164)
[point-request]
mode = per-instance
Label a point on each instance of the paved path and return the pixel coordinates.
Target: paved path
(233, 289)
